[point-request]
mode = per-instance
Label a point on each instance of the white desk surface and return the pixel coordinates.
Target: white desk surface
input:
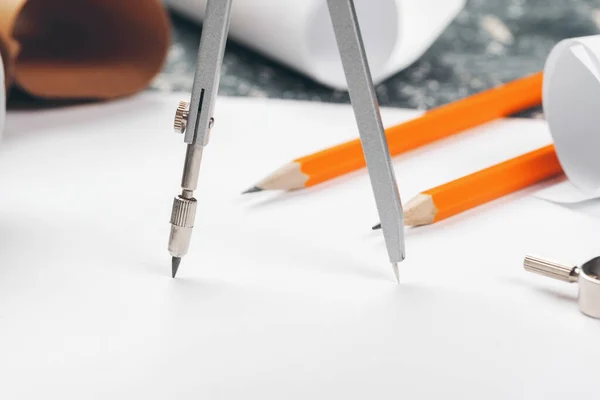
(283, 296)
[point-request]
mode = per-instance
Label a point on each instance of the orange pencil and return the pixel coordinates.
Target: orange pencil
(434, 125)
(452, 198)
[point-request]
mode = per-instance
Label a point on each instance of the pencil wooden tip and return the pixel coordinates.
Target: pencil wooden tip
(420, 210)
(288, 177)
(253, 189)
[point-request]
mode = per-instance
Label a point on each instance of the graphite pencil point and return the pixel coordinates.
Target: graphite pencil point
(175, 261)
(253, 189)
(376, 227)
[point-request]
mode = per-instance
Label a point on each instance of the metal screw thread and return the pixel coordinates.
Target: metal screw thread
(181, 117)
(184, 212)
(551, 269)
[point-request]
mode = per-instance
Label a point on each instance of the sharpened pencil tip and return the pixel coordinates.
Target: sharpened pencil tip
(396, 272)
(175, 261)
(253, 189)
(376, 227)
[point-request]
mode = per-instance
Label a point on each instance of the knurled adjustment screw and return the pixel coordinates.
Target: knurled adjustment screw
(181, 117)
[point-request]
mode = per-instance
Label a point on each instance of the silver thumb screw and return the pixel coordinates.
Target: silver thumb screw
(551, 269)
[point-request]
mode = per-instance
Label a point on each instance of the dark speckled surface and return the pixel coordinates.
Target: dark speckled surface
(490, 42)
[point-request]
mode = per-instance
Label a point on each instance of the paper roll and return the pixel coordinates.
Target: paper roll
(82, 49)
(2, 97)
(299, 33)
(571, 100)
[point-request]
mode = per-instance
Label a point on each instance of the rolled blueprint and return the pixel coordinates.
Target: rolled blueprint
(571, 99)
(299, 33)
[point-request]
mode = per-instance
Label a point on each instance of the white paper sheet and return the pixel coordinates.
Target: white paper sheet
(283, 296)
(571, 96)
(563, 191)
(299, 34)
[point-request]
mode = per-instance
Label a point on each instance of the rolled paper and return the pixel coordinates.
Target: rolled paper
(2, 97)
(299, 33)
(571, 100)
(82, 49)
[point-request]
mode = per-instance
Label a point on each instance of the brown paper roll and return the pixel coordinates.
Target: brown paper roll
(8, 47)
(82, 49)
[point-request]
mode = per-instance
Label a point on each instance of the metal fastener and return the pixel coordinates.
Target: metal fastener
(587, 276)
(181, 117)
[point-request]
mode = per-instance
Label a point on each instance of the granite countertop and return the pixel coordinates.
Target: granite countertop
(490, 42)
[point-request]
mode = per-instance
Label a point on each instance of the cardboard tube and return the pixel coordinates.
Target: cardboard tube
(9, 10)
(2, 97)
(83, 49)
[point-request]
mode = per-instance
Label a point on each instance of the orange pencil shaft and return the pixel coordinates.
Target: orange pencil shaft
(434, 125)
(494, 182)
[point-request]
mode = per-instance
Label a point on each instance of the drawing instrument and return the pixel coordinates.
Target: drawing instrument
(434, 125)
(470, 191)
(195, 120)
